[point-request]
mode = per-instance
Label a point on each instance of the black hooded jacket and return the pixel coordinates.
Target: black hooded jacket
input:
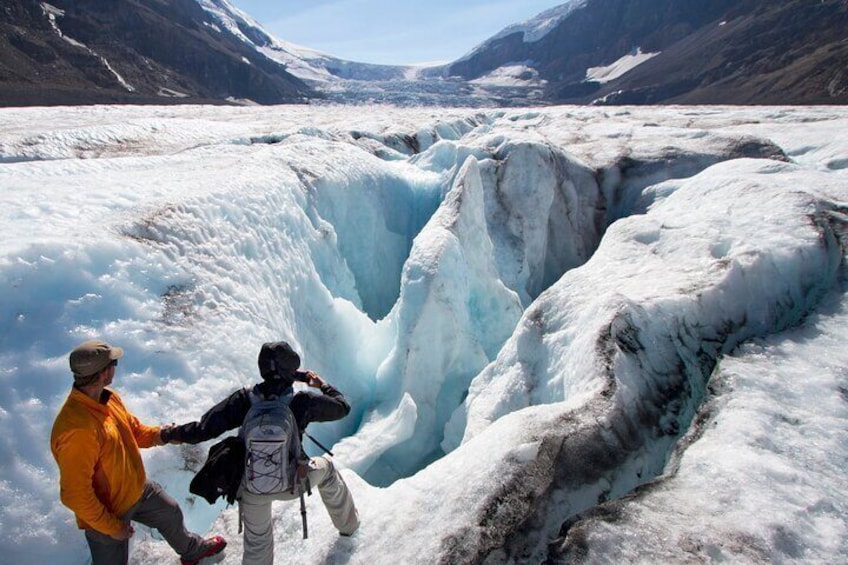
(229, 413)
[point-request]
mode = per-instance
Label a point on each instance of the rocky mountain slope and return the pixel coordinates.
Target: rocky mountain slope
(139, 51)
(581, 52)
(716, 52)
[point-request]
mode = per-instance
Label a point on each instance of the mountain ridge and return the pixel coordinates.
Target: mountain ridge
(721, 52)
(207, 51)
(136, 51)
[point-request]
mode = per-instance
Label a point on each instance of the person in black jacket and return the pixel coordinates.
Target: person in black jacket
(278, 366)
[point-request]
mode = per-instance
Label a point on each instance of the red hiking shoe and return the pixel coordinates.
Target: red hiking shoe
(213, 546)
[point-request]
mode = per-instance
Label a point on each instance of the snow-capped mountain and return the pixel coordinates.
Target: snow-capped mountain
(305, 63)
(581, 52)
(531, 30)
(141, 51)
(722, 51)
(605, 52)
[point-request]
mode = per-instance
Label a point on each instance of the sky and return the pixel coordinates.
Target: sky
(494, 336)
(388, 32)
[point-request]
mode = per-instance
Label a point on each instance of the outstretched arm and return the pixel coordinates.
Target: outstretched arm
(226, 415)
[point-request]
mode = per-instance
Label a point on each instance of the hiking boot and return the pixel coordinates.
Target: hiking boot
(355, 527)
(212, 546)
(349, 534)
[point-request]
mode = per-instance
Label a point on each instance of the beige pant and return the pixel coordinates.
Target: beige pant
(256, 511)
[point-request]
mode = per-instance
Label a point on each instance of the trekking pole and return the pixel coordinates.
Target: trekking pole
(318, 443)
(303, 515)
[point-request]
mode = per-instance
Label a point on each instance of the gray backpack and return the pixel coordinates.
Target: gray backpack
(272, 444)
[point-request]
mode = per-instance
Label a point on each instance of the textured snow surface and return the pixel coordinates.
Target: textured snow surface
(610, 334)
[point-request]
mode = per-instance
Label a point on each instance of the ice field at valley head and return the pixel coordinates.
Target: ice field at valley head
(592, 334)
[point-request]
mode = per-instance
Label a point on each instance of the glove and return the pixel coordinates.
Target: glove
(165, 434)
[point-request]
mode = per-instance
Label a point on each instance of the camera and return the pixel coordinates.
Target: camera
(301, 376)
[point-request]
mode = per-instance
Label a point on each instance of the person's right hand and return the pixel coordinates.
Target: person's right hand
(125, 532)
(314, 380)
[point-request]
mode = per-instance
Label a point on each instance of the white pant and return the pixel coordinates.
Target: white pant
(256, 511)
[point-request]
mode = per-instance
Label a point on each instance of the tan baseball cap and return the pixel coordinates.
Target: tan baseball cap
(91, 357)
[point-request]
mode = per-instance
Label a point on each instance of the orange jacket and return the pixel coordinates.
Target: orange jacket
(96, 447)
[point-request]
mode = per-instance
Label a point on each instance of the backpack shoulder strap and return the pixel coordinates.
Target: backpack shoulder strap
(256, 395)
(287, 396)
(253, 394)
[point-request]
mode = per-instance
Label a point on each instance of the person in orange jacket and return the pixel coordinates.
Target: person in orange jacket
(95, 442)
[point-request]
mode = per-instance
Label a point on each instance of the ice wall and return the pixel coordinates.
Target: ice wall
(517, 216)
(454, 278)
(628, 342)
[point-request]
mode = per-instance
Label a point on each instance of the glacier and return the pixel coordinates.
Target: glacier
(567, 333)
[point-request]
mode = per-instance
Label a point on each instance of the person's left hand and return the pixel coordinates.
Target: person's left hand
(125, 533)
(165, 428)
